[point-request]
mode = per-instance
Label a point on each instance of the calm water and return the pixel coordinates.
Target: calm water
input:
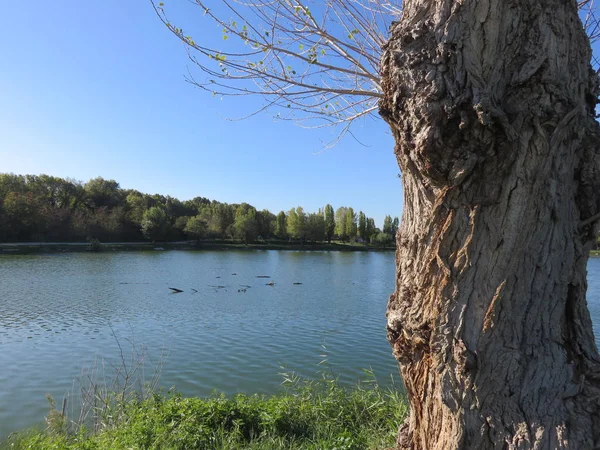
(58, 314)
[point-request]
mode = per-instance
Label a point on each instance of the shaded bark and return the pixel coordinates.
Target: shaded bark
(491, 104)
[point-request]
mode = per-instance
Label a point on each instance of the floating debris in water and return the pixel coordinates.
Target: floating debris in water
(175, 290)
(297, 283)
(270, 283)
(263, 276)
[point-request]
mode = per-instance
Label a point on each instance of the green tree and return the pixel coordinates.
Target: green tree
(155, 223)
(4, 226)
(395, 224)
(179, 225)
(281, 226)
(341, 224)
(362, 226)
(205, 213)
(296, 223)
(25, 216)
(103, 192)
(196, 204)
(176, 208)
(221, 219)
(266, 223)
(388, 225)
(382, 239)
(315, 227)
(38, 207)
(136, 204)
(329, 222)
(370, 229)
(55, 192)
(104, 224)
(245, 226)
(9, 182)
(196, 227)
(351, 228)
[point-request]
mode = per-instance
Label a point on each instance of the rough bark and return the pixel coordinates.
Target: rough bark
(491, 103)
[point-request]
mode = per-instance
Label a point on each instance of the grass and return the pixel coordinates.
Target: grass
(306, 415)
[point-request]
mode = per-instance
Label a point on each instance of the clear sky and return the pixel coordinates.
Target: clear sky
(96, 88)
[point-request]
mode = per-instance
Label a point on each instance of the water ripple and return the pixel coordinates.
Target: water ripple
(61, 313)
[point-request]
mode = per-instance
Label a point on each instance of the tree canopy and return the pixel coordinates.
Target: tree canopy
(46, 208)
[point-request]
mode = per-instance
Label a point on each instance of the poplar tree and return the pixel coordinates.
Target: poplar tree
(329, 222)
(362, 225)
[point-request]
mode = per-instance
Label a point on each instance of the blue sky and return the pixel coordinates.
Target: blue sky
(97, 89)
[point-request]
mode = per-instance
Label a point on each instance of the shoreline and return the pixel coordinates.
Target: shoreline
(25, 248)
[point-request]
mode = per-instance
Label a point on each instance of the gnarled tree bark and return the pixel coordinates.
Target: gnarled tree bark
(491, 103)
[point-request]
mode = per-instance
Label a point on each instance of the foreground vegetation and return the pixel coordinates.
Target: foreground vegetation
(43, 208)
(307, 415)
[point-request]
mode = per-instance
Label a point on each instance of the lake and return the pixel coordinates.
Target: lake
(61, 314)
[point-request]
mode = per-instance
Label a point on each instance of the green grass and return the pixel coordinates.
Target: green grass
(306, 415)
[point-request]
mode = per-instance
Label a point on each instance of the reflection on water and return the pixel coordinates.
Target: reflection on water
(58, 314)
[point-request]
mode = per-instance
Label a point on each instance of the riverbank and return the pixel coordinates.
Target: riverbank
(306, 416)
(23, 248)
(61, 247)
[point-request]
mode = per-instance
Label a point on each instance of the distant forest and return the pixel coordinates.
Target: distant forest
(50, 209)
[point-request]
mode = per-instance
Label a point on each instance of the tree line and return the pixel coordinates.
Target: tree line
(47, 208)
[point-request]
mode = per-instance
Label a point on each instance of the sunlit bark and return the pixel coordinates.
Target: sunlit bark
(491, 104)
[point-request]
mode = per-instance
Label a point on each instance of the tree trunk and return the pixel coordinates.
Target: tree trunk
(491, 103)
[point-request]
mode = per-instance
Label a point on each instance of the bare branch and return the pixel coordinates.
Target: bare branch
(589, 16)
(313, 62)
